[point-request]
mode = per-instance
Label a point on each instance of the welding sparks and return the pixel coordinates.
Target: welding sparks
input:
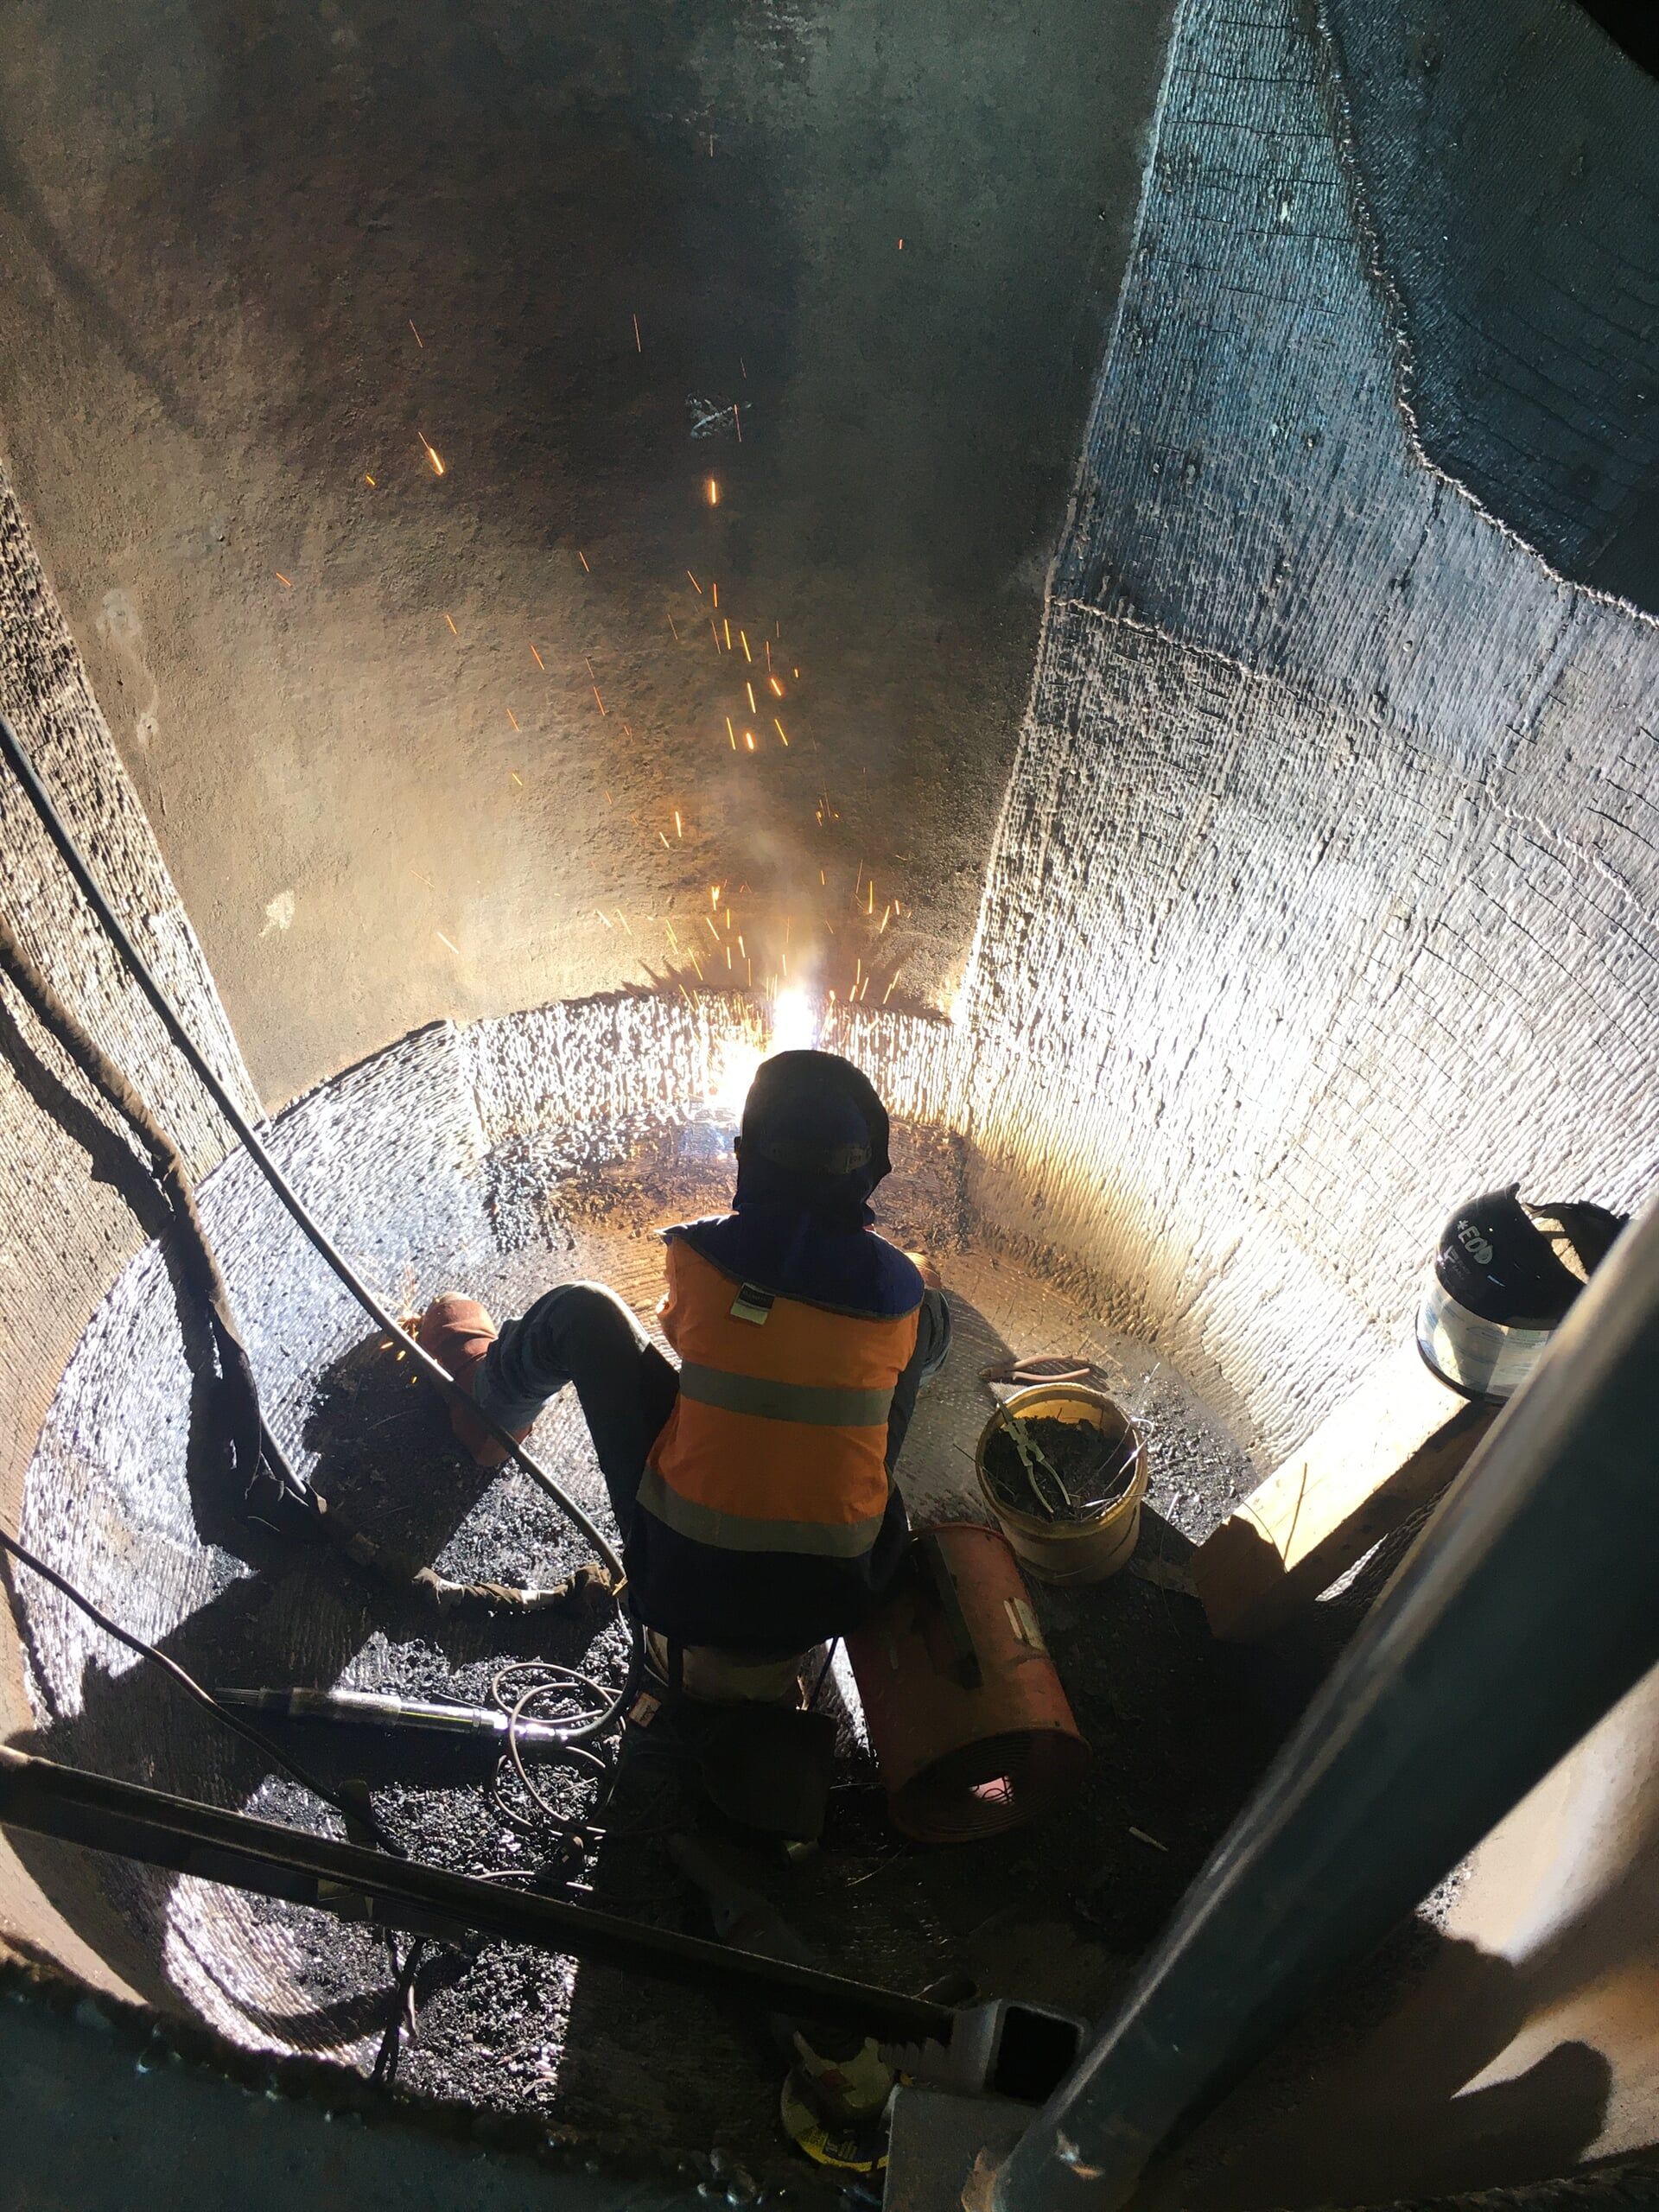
(368, 479)
(743, 639)
(419, 340)
(638, 347)
(779, 726)
(678, 830)
(511, 717)
(667, 848)
(714, 890)
(606, 918)
(674, 627)
(711, 490)
(287, 582)
(725, 625)
(603, 708)
(777, 687)
(517, 777)
(753, 705)
(434, 458)
(539, 662)
(697, 587)
(453, 947)
(450, 619)
(748, 739)
(582, 557)
(715, 587)
(731, 732)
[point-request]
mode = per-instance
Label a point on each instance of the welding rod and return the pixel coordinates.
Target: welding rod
(159, 1829)
(382, 1709)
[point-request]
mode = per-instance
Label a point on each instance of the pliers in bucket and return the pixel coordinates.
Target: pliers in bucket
(1032, 1456)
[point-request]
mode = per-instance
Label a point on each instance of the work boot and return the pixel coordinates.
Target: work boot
(457, 1332)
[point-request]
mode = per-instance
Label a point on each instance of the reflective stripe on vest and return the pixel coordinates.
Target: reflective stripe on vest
(740, 1532)
(778, 1436)
(821, 1405)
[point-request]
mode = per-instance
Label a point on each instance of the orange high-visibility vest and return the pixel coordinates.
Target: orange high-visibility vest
(777, 1440)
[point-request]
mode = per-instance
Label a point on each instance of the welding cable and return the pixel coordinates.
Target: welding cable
(595, 1821)
(383, 2072)
(554, 1680)
(360, 1815)
(452, 1393)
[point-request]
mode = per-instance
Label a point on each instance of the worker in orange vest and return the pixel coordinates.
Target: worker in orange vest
(753, 1484)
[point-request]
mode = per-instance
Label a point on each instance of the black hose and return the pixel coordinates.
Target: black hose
(133, 960)
(256, 1459)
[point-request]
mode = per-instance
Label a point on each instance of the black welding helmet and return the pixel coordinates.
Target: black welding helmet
(1503, 1277)
(814, 1136)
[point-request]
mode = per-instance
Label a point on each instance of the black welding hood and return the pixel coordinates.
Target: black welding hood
(1503, 1277)
(815, 1116)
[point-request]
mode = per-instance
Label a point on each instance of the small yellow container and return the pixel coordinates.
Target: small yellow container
(1071, 1551)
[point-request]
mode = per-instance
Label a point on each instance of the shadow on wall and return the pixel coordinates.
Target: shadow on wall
(1396, 2118)
(1508, 162)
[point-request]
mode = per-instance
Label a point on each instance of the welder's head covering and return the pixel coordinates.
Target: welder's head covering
(814, 1136)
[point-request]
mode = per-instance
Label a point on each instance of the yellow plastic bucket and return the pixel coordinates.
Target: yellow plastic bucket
(1087, 1550)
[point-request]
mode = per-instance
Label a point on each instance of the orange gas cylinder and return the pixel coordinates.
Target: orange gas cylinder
(966, 1713)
